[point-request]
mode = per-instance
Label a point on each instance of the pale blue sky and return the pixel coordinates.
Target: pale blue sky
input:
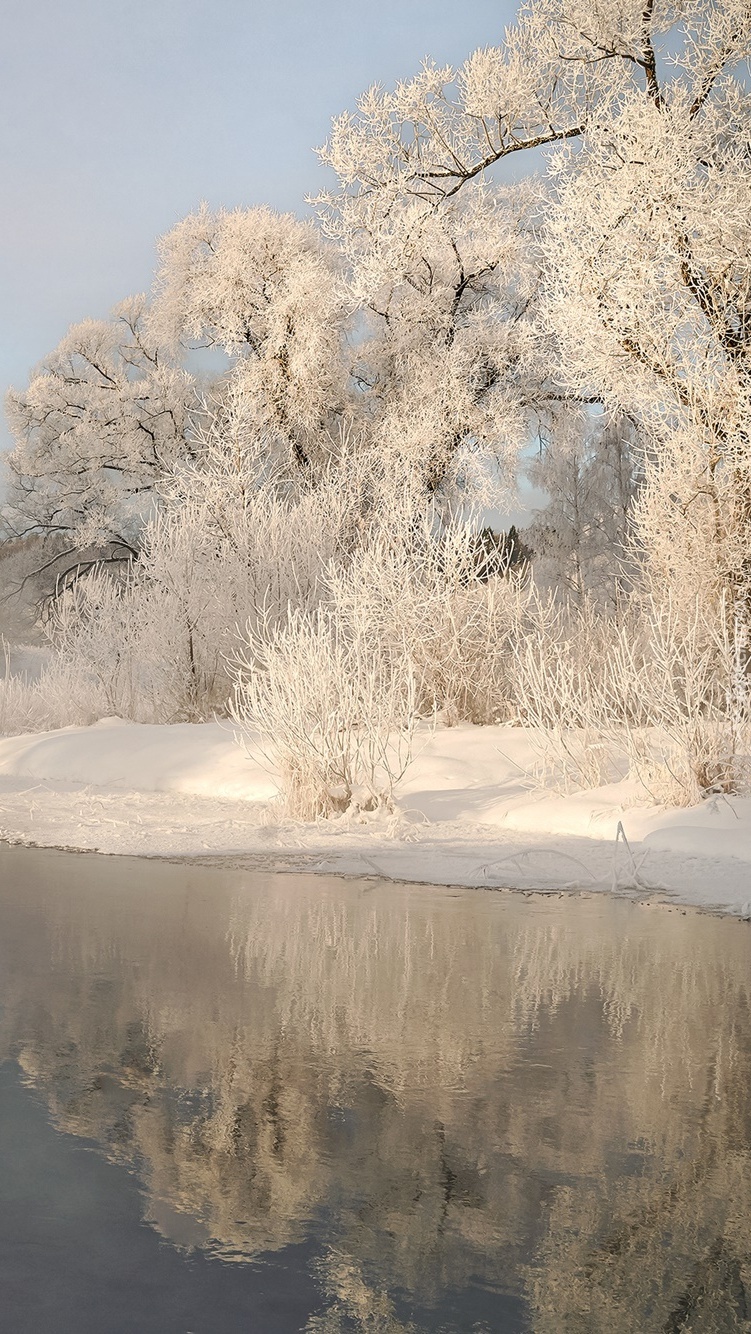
(116, 119)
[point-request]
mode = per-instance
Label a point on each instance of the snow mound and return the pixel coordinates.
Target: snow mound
(466, 814)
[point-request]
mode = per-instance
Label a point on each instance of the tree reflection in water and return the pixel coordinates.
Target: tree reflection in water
(547, 1099)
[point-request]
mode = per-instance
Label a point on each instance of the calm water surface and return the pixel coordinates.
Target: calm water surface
(235, 1101)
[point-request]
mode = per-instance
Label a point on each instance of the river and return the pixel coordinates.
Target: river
(232, 1100)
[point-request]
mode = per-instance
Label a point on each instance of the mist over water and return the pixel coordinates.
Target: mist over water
(235, 1100)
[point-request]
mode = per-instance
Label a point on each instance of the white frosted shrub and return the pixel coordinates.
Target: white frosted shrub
(132, 645)
(681, 696)
(425, 587)
(334, 714)
(18, 702)
(410, 626)
(156, 643)
(560, 656)
(67, 698)
(59, 697)
(662, 696)
(97, 630)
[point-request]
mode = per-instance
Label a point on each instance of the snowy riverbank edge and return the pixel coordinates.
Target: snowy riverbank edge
(466, 815)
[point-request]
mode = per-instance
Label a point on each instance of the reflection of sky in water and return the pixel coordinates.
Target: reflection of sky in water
(424, 1109)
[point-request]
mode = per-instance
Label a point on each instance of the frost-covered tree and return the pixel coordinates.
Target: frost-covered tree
(446, 262)
(645, 283)
(409, 330)
(590, 468)
(649, 270)
(103, 419)
(445, 352)
(265, 288)
(562, 66)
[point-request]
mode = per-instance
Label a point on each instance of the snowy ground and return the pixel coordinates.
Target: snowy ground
(466, 815)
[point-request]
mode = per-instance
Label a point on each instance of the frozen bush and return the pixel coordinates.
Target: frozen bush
(157, 641)
(681, 697)
(560, 656)
(18, 711)
(662, 696)
(58, 697)
(421, 585)
(334, 714)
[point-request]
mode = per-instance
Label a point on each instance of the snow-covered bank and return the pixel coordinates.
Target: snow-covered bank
(466, 815)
